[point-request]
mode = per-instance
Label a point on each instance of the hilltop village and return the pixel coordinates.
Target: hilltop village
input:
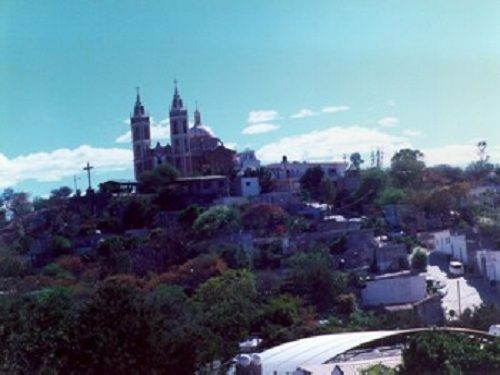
(207, 252)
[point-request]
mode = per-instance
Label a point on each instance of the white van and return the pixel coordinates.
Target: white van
(456, 268)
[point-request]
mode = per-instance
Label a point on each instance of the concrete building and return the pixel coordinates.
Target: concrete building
(247, 161)
(488, 264)
(393, 289)
(453, 245)
(286, 175)
(246, 186)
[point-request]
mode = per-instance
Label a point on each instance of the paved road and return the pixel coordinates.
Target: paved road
(473, 291)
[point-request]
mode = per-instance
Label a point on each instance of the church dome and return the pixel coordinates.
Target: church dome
(201, 131)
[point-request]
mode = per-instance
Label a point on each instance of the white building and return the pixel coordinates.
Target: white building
(394, 289)
(286, 175)
(488, 263)
(451, 244)
(247, 160)
(249, 186)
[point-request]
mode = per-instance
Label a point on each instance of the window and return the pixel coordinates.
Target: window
(186, 148)
(146, 132)
(247, 183)
(174, 127)
(184, 125)
(136, 133)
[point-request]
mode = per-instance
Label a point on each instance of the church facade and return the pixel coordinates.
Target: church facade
(193, 151)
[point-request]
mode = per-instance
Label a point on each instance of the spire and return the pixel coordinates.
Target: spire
(197, 116)
(176, 100)
(138, 107)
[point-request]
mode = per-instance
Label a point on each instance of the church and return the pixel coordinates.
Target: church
(194, 151)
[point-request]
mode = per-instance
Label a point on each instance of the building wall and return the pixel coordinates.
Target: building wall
(451, 244)
(395, 290)
(488, 263)
(249, 186)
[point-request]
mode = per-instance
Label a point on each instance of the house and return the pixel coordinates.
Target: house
(245, 186)
(392, 289)
(448, 243)
(391, 257)
(488, 264)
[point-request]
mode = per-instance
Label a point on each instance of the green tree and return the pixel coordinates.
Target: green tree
(449, 353)
(356, 161)
(217, 220)
(61, 193)
(406, 167)
(392, 195)
(311, 277)
(419, 260)
(225, 308)
(60, 245)
(311, 180)
(158, 179)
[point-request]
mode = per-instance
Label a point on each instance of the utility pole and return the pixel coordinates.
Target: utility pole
(459, 301)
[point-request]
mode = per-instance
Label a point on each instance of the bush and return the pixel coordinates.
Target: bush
(60, 245)
(12, 267)
(419, 260)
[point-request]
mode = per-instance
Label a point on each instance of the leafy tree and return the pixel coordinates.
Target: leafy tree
(480, 317)
(447, 353)
(311, 181)
(356, 161)
(61, 193)
(188, 216)
(12, 266)
(157, 179)
(217, 220)
(311, 277)
(136, 214)
(60, 245)
(264, 217)
(406, 167)
(392, 195)
(225, 307)
(419, 260)
(327, 192)
(373, 182)
(15, 204)
(233, 255)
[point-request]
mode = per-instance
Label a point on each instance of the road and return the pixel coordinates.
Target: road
(473, 291)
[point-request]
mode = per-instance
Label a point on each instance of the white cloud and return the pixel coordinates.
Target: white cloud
(331, 144)
(259, 129)
(457, 154)
(260, 116)
(54, 165)
(304, 113)
(411, 133)
(388, 122)
(160, 131)
(231, 145)
(335, 109)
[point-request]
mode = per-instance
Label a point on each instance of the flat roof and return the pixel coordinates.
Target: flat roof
(201, 178)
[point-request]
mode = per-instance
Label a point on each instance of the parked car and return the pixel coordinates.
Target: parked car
(456, 268)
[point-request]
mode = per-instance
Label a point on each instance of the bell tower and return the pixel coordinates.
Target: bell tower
(179, 136)
(141, 138)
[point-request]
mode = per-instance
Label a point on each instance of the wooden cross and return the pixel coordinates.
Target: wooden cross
(87, 169)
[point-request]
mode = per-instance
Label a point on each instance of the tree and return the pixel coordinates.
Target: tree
(311, 181)
(419, 260)
(61, 193)
(450, 353)
(188, 216)
(373, 182)
(60, 245)
(264, 217)
(356, 161)
(406, 167)
(15, 204)
(225, 307)
(217, 220)
(158, 179)
(310, 276)
(392, 195)
(327, 192)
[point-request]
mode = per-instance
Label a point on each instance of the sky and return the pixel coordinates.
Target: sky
(310, 80)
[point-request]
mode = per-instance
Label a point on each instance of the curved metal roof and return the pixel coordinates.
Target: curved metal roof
(286, 358)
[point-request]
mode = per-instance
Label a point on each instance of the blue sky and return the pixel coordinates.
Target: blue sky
(313, 80)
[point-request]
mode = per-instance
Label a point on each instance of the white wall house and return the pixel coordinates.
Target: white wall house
(451, 244)
(488, 263)
(250, 186)
(394, 289)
